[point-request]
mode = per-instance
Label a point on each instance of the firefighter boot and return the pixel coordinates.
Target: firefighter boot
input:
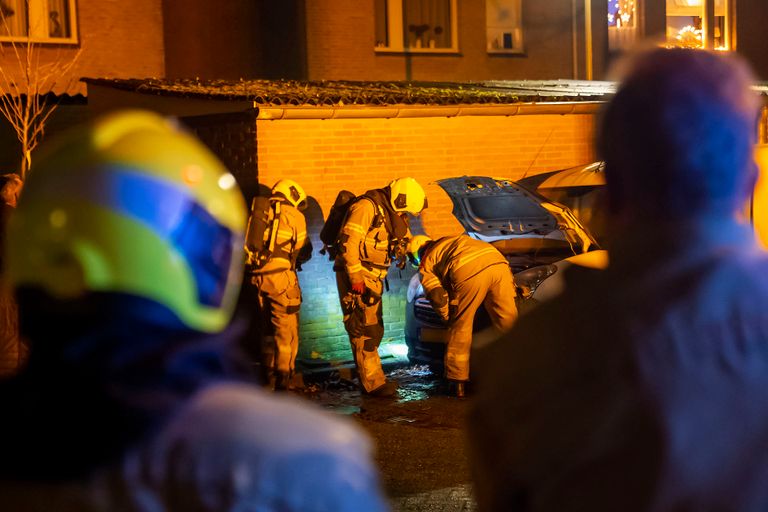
(457, 388)
(283, 382)
(387, 389)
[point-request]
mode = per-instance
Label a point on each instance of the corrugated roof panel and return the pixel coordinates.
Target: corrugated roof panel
(335, 93)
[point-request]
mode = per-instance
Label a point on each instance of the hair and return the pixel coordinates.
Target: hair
(678, 136)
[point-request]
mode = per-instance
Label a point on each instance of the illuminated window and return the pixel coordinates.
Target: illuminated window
(622, 24)
(686, 25)
(416, 26)
(503, 24)
(50, 21)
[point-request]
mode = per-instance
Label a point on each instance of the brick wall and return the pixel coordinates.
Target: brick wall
(121, 39)
(340, 45)
(232, 137)
(326, 156)
(196, 32)
(117, 39)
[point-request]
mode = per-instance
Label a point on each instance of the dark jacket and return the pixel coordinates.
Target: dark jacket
(643, 387)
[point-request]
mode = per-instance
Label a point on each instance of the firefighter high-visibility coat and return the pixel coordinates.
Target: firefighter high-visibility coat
(364, 256)
(459, 274)
(279, 295)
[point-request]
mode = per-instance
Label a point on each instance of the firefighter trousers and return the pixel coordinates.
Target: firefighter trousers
(278, 308)
(494, 288)
(365, 326)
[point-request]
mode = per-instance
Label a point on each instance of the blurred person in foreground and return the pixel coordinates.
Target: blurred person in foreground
(12, 350)
(126, 254)
(645, 386)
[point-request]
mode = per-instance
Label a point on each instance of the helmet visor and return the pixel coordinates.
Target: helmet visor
(172, 213)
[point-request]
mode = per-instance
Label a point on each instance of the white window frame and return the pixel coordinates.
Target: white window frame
(704, 9)
(516, 33)
(396, 35)
(39, 28)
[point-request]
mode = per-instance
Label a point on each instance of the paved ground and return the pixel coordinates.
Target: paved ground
(419, 435)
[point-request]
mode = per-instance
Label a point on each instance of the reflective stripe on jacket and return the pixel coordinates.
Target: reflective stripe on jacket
(454, 259)
(364, 247)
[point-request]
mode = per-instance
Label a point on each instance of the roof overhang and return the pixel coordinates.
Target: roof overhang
(411, 111)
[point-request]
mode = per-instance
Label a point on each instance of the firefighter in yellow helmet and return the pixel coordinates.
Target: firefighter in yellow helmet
(459, 274)
(277, 245)
(371, 236)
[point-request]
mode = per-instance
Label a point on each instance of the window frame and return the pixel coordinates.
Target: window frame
(707, 12)
(38, 10)
(507, 51)
(396, 34)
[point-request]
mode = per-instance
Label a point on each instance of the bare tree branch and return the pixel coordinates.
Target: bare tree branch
(28, 101)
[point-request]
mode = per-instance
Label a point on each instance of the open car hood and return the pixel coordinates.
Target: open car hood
(512, 217)
(588, 175)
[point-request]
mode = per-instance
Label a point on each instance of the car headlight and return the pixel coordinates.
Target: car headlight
(415, 290)
(528, 280)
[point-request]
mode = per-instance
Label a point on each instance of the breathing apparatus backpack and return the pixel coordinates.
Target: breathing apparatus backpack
(396, 225)
(261, 233)
(329, 235)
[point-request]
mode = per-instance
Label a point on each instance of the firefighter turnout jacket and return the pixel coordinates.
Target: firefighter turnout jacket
(459, 274)
(365, 240)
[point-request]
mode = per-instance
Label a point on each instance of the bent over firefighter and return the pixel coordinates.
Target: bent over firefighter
(459, 274)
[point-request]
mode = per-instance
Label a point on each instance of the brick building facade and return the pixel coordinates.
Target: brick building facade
(340, 45)
(559, 39)
(114, 39)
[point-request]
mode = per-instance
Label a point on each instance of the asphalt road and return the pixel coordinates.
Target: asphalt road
(420, 440)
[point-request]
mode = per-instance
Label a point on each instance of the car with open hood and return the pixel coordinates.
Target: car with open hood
(576, 198)
(529, 223)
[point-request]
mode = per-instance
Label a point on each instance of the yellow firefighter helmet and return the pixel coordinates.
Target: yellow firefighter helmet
(416, 248)
(406, 195)
(292, 192)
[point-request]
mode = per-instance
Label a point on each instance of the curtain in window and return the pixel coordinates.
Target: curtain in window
(14, 18)
(380, 14)
(427, 23)
(58, 18)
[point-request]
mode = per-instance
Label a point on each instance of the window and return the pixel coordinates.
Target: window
(687, 26)
(503, 26)
(428, 26)
(622, 24)
(51, 21)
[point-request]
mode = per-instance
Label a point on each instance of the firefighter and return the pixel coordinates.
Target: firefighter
(276, 281)
(373, 233)
(458, 274)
